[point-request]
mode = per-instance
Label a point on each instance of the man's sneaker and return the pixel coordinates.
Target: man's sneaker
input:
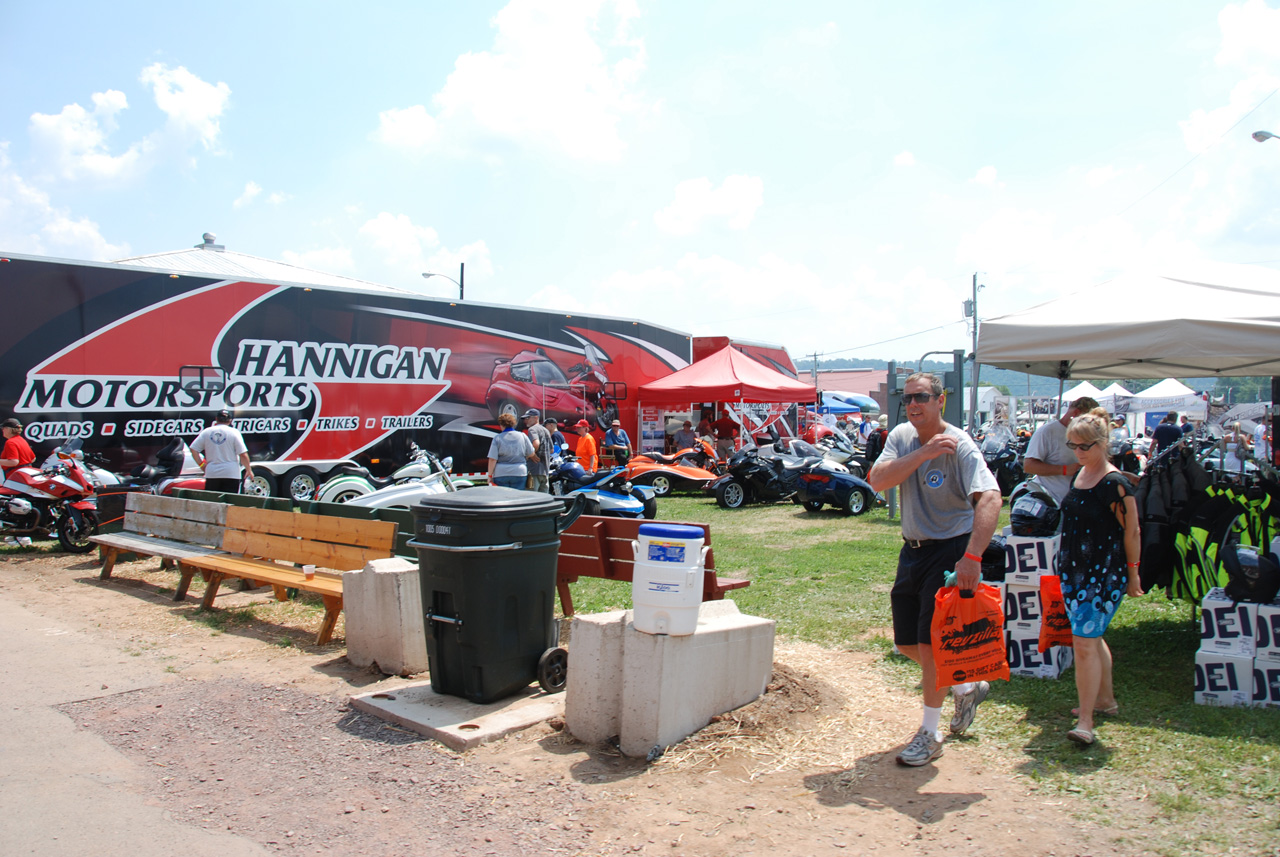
(967, 706)
(922, 750)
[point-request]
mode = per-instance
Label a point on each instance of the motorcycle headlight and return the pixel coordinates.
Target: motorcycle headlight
(626, 486)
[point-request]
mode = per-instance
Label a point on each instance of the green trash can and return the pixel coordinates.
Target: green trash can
(487, 563)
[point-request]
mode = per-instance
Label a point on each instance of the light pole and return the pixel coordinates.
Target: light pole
(462, 278)
(1264, 136)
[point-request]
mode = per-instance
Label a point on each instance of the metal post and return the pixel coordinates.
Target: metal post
(973, 384)
(462, 278)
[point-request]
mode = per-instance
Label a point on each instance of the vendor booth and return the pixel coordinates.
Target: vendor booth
(753, 394)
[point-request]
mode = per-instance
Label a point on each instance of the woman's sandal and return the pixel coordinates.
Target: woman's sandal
(1113, 711)
(1084, 737)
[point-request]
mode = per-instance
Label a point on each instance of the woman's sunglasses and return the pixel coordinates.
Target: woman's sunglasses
(1085, 446)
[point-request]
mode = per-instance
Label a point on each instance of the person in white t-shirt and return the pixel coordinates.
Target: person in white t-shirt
(1048, 458)
(221, 452)
(1262, 442)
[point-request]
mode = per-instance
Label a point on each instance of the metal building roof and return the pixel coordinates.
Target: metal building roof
(211, 259)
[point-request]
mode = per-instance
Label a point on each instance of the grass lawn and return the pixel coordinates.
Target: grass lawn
(1211, 776)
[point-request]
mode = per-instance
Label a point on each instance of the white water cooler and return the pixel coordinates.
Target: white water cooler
(666, 584)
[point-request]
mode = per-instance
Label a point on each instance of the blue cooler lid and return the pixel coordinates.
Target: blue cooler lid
(672, 531)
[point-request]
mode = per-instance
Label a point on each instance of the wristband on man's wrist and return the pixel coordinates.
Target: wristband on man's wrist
(968, 555)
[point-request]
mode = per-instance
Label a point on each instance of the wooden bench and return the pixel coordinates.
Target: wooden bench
(269, 547)
(595, 546)
(173, 529)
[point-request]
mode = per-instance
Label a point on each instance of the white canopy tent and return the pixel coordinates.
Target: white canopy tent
(1214, 320)
(1084, 388)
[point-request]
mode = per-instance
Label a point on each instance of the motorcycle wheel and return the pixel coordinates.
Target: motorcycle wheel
(76, 539)
(650, 505)
(731, 495)
(261, 483)
(859, 502)
(605, 415)
(300, 483)
(591, 507)
(811, 505)
(661, 484)
(346, 495)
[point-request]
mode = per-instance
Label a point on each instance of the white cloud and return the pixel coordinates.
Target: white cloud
(985, 176)
(1250, 31)
(558, 76)
(192, 105)
(277, 197)
(1099, 176)
(251, 191)
(30, 223)
(76, 139)
(696, 201)
(409, 250)
(411, 128)
(334, 260)
(904, 159)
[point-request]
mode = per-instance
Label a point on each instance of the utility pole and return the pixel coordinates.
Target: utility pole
(971, 311)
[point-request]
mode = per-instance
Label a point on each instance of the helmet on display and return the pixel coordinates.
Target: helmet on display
(995, 560)
(1252, 576)
(1033, 511)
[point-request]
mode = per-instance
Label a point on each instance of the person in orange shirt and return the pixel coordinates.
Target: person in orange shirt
(586, 448)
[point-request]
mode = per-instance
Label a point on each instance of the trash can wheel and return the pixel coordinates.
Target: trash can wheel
(553, 668)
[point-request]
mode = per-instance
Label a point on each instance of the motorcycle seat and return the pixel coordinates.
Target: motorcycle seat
(659, 458)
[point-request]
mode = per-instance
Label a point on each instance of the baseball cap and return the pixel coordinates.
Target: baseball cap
(11, 423)
(532, 412)
(582, 424)
(224, 416)
(688, 423)
(616, 422)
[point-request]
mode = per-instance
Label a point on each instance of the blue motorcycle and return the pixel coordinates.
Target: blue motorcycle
(607, 492)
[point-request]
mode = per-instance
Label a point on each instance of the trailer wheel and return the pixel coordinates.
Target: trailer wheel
(262, 483)
(553, 669)
(300, 483)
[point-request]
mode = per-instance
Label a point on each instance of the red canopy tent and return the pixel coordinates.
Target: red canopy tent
(728, 375)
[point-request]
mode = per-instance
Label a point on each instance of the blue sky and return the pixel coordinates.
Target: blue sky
(827, 176)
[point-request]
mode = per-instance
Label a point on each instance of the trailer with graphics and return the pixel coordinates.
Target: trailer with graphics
(126, 357)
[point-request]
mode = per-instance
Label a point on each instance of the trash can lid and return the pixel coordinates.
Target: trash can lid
(672, 531)
(492, 498)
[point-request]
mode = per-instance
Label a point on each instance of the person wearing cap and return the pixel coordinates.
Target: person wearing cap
(221, 452)
(617, 444)
(685, 438)
(17, 452)
(586, 447)
(559, 443)
(541, 440)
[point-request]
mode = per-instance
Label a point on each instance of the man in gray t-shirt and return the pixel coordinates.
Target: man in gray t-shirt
(950, 506)
(541, 440)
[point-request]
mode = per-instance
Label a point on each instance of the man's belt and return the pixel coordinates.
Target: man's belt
(924, 543)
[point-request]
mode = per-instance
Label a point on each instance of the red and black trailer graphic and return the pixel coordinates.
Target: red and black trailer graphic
(310, 372)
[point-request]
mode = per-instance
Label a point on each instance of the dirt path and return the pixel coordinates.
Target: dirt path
(253, 737)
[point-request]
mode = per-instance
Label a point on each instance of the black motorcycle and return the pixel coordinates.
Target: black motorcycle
(1003, 455)
(756, 475)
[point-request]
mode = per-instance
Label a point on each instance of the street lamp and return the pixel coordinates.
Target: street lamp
(462, 278)
(1264, 136)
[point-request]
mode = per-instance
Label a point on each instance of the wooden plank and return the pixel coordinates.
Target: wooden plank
(266, 572)
(300, 551)
(147, 546)
(173, 507)
(175, 529)
(378, 535)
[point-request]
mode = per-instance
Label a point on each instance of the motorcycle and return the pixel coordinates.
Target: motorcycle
(1001, 452)
(664, 473)
(424, 476)
(754, 475)
(58, 496)
(1124, 456)
(607, 492)
(838, 447)
(175, 468)
(851, 494)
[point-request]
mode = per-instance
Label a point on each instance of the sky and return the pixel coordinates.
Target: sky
(828, 176)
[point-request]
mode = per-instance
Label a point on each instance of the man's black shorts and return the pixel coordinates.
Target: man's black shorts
(222, 486)
(920, 574)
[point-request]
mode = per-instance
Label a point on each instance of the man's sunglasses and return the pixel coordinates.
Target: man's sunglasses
(1085, 446)
(913, 398)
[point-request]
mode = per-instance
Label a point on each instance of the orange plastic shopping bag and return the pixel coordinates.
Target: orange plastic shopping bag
(968, 636)
(1055, 627)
